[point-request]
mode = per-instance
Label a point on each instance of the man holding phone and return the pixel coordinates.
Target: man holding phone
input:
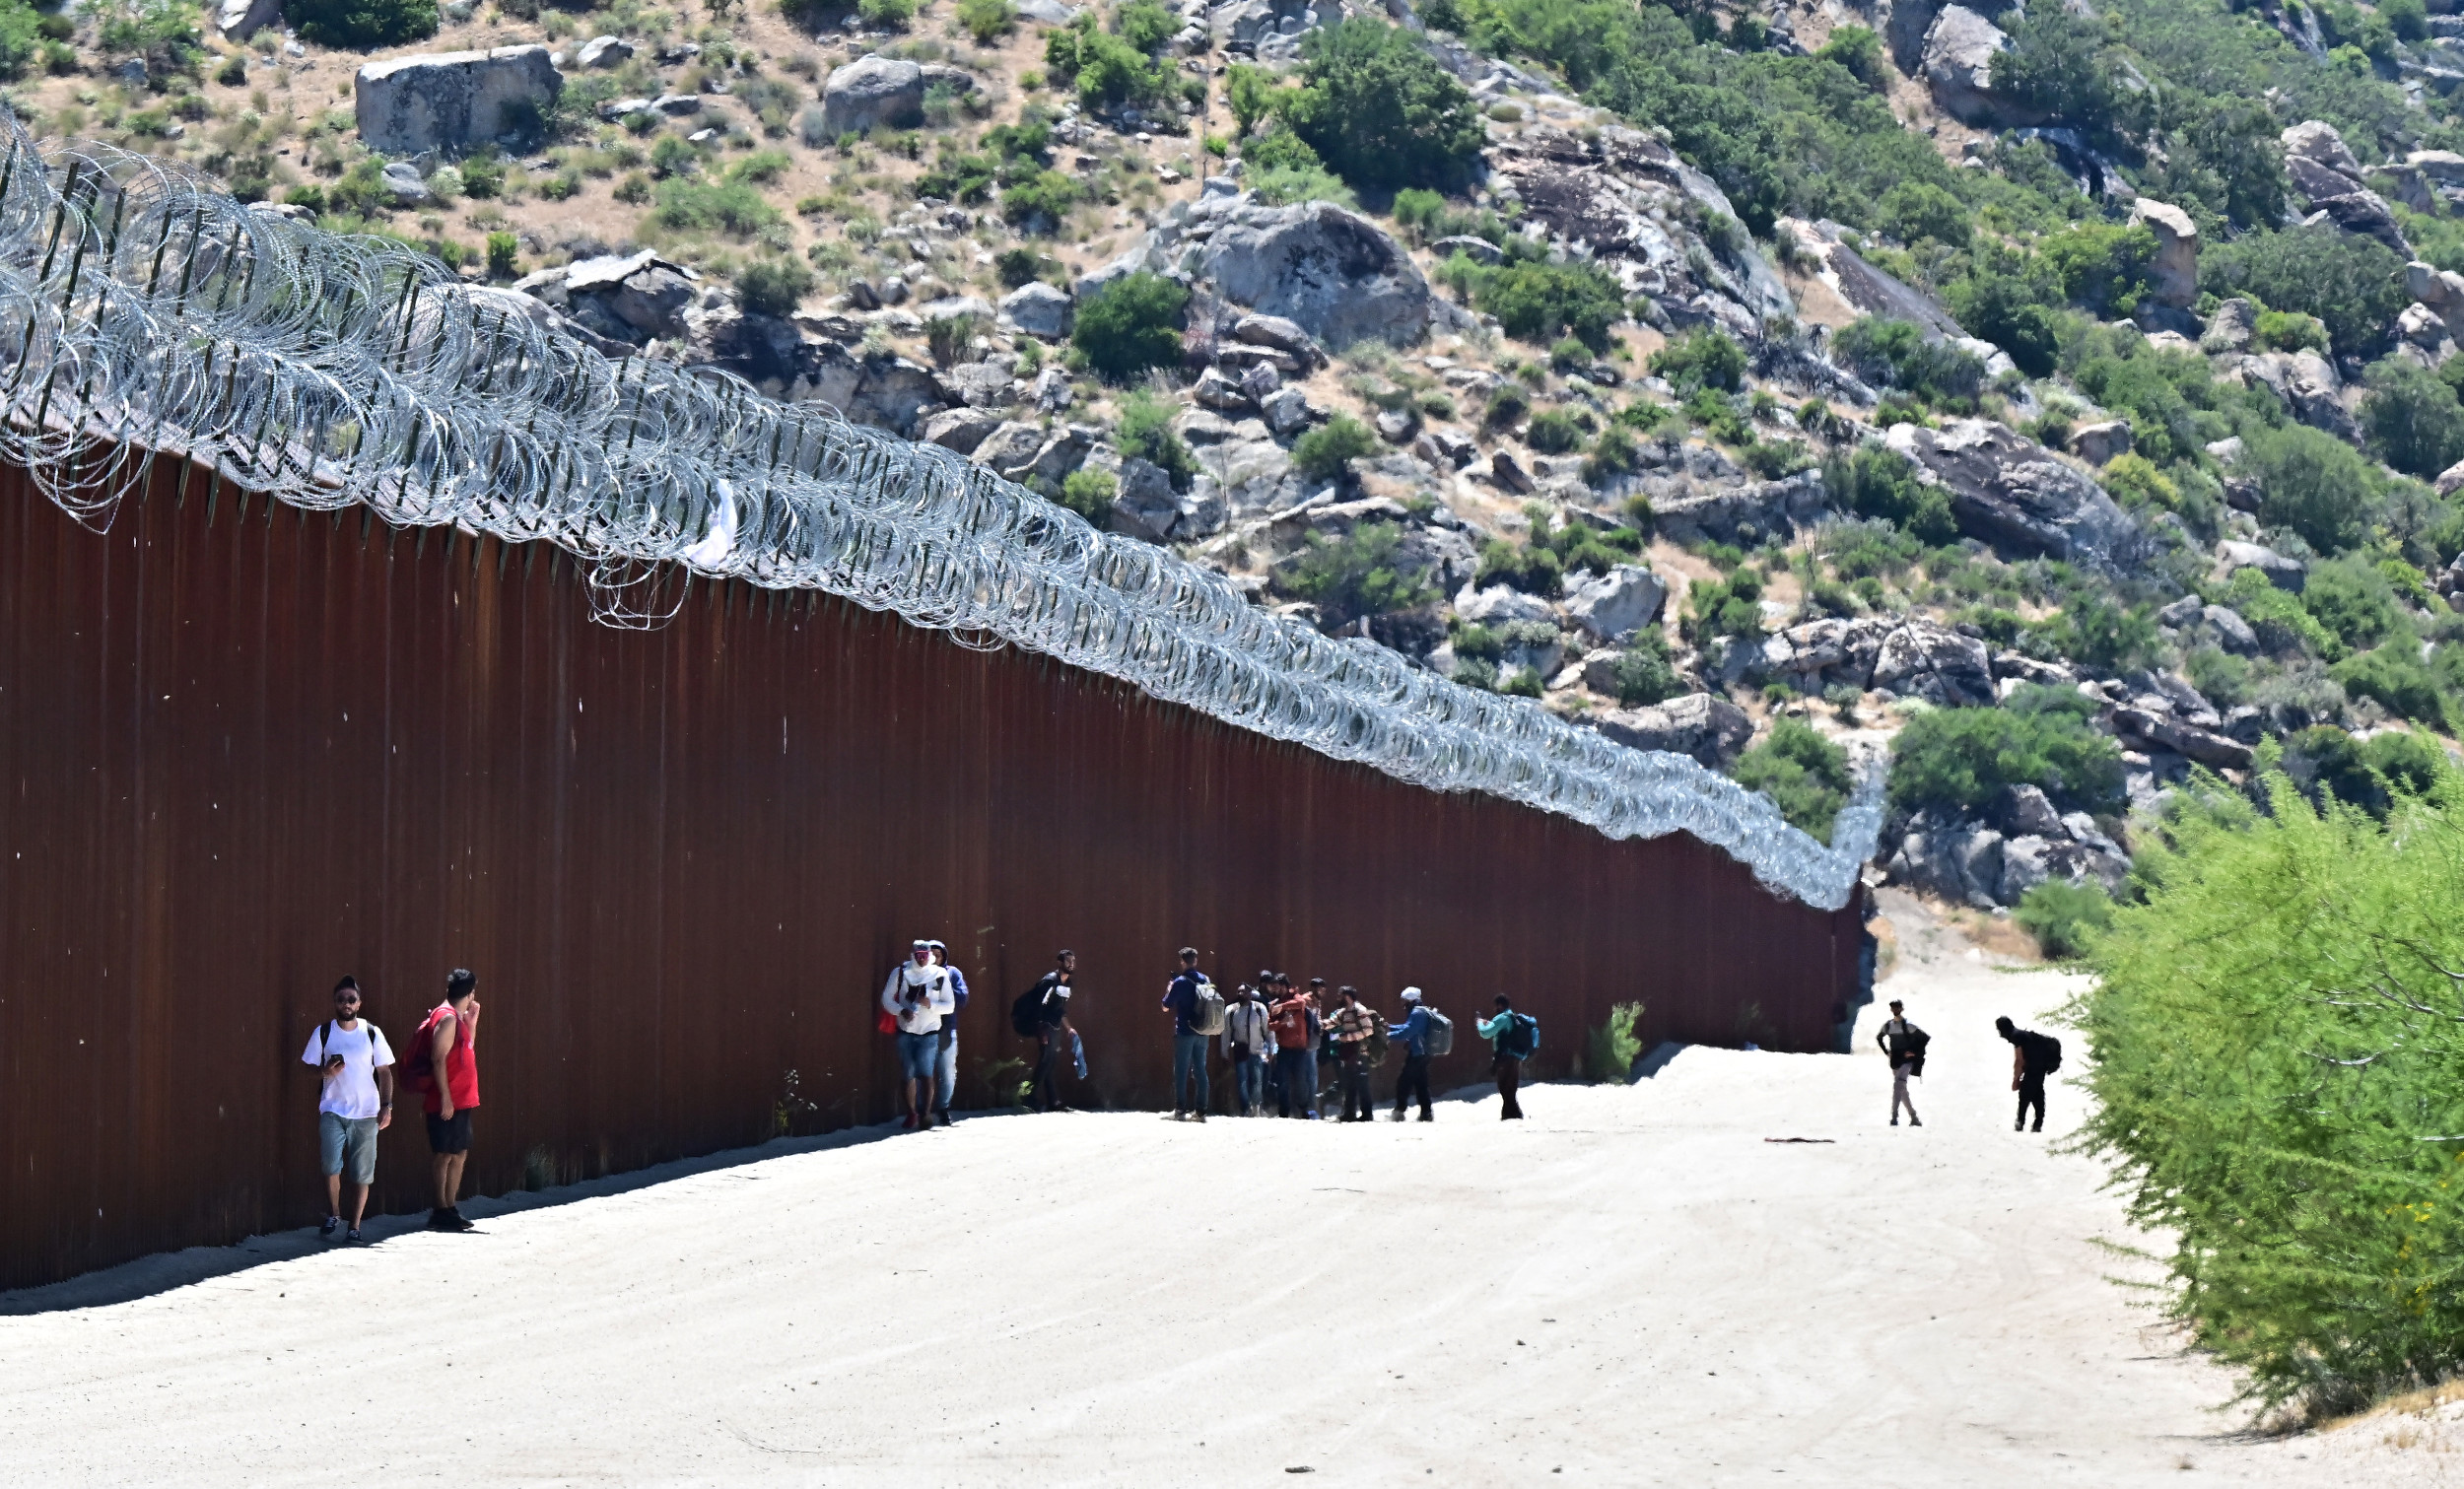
(356, 1064)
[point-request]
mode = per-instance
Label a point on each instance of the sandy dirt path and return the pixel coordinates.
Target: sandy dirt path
(1634, 1287)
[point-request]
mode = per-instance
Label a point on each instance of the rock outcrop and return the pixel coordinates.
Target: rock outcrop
(1710, 729)
(1958, 65)
(1613, 606)
(879, 92)
(2325, 171)
(2011, 491)
(454, 101)
(1336, 275)
(2173, 277)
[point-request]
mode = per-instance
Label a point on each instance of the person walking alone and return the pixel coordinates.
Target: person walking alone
(1905, 1043)
(946, 1057)
(1188, 1041)
(1512, 1037)
(1047, 1007)
(915, 997)
(1414, 1032)
(2033, 1056)
(447, 1045)
(1247, 1036)
(1294, 1060)
(356, 1064)
(1354, 1023)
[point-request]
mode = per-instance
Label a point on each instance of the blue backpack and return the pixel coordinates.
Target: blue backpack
(1520, 1039)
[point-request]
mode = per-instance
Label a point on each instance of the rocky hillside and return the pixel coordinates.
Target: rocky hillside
(2062, 399)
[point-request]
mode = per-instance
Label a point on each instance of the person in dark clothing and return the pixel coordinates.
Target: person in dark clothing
(1904, 1044)
(1053, 1033)
(1506, 1066)
(1354, 1022)
(2028, 1071)
(1189, 1046)
(1414, 1032)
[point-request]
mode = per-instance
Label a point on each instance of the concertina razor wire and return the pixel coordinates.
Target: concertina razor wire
(145, 314)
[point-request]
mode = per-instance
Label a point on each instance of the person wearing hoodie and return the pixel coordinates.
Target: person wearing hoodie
(946, 1057)
(917, 997)
(1247, 1037)
(1414, 1034)
(1189, 1046)
(1509, 1039)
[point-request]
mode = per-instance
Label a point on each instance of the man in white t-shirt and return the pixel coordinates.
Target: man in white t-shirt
(351, 1057)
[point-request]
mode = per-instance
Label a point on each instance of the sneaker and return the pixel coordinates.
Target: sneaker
(1894, 1121)
(1913, 1122)
(436, 1221)
(1428, 1116)
(944, 1117)
(2018, 1126)
(456, 1222)
(326, 1230)
(1175, 1117)
(354, 1237)
(1202, 1116)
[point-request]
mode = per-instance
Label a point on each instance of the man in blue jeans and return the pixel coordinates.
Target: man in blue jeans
(918, 997)
(1247, 1038)
(1189, 1046)
(945, 1059)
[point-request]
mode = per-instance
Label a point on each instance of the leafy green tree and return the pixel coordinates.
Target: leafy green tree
(1146, 433)
(2063, 917)
(362, 24)
(1804, 774)
(1381, 111)
(2273, 1035)
(1858, 51)
(1538, 301)
(1963, 757)
(1363, 573)
(1914, 211)
(2414, 420)
(1874, 482)
(1645, 672)
(1897, 353)
(1144, 25)
(2102, 266)
(2316, 485)
(1130, 325)
(2055, 66)
(1704, 358)
(2354, 284)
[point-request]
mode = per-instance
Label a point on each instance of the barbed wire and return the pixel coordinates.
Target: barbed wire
(145, 314)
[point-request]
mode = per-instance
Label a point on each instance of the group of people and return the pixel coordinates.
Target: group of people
(1280, 1039)
(357, 1067)
(2033, 1056)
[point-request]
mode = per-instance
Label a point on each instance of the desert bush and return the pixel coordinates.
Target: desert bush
(1146, 433)
(1963, 758)
(362, 24)
(2064, 917)
(1702, 358)
(1362, 572)
(1130, 325)
(1610, 1049)
(1380, 110)
(1804, 774)
(774, 286)
(1326, 452)
(1090, 494)
(987, 20)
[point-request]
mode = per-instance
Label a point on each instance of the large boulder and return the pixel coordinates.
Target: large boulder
(2173, 278)
(1710, 729)
(1749, 513)
(2325, 171)
(1864, 286)
(1038, 309)
(2286, 573)
(1333, 272)
(1613, 606)
(1945, 855)
(1924, 660)
(1958, 64)
(2317, 142)
(2011, 491)
(1499, 605)
(455, 100)
(239, 20)
(878, 93)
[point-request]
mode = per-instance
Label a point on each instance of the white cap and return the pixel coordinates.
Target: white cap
(1411, 995)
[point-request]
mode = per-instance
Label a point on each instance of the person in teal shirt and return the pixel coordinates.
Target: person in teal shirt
(1512, 1038)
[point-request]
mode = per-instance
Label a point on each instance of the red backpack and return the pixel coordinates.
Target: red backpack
(419, 1067)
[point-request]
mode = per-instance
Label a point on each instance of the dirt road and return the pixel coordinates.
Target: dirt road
(1636, 1286)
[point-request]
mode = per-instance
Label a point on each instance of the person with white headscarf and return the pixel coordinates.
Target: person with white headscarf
(1414, 1034)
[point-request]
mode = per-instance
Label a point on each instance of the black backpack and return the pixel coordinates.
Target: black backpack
(1520, 1039)
(1026, 1015)
(2047, 1052)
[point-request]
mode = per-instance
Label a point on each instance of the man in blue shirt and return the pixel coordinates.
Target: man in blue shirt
(1188, 1046)
(1413, 1032)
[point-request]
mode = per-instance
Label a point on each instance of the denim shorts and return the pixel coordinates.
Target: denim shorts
(916, 1055)
(347, 1145)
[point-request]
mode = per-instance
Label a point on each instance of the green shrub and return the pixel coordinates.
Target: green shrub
(2315, 484)
(1553, 431)
(2064, 917)
(2414, 420)
(1609, 1049)
(1858, 52)
(1359, 574)
(2281, 622)
(1380, 110)
(887, 15)
(1325, 453)
(1538, 302)
(503, 251)
(1732, 606)
(1804, 774)
(483, 176)
(1874, 482)
(1614, 453)
(2352, 284)
(774, 286)
(1040, 200)
(762, 168)
(2107, 637)
(1130, 325)
(1090, 494)
(2289, 331)
(1144, 25)
(362, 24)
(1963, 757)
(1021, 267)
(2101, 266)
(2395, 678)
(2272, 1038)
(1646, 673)
(1105, 70)
(1146, 433)
(1533, 568)
(2054, 67)
(1895, 353)
(730, 207)
(2354, 602)
(987, 20)
(1702, 358)
(1914, 211)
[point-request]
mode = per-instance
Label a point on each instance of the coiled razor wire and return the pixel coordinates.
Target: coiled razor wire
(145, 314)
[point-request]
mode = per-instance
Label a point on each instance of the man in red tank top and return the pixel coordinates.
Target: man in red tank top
(452, 1034)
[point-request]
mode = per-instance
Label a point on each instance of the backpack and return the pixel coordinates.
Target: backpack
(1026, 1015)
(2044, 1053)
(1206, 1014)
(1520, 1039)
(419, 1072)
(1439, 1037)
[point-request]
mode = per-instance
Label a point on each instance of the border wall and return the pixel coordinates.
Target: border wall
(248, 748)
